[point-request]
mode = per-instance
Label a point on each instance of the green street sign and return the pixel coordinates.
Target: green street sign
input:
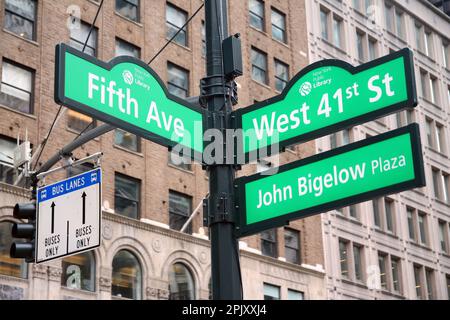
(128, 94)
(380, 165)
(328, 96)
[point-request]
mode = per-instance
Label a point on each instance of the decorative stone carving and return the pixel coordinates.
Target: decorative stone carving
(203, 257)
(107, 231)
(156, 245)
(152, 293)
(40, 271)
(54, 274)
(163, 294)
(105, 284)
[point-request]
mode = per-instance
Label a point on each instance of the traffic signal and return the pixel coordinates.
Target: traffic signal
(24, 250)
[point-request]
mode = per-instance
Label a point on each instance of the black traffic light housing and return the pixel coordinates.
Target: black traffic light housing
(24, 250)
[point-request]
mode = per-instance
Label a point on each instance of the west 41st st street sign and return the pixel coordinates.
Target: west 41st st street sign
(384, 164)
(326, 97)
(128, 94)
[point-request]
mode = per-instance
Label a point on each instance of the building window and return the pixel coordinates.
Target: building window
(445, 54)
(441, 184)
(418, 280)
(363, 6)
(256, 12)
(180, 209)
(127, 196)
(343, 258)
(126, 276)
(128, 9)
(410, 214)
(394, 21)
(16, 91)
(279, 26)
(127, 140)
(324, 23)
(79, 122)
(423, 235)
(78, 272)
(259, 66)
(20, 17)
(7, 172)
(443, 236)
(178, 80)
(175, 19)
(435, 135)
(79, 35)
(382, 260)
(404, 118)
(384, 214)
(9, 266)
(429, 87)
(337, 32)
(396, 274)
(181, 283)
(124, 48)
(366, 47)
(295, 295)
(429, 276)
(271, 292)
(357, 260)
(178, 161)
(341, 138)
(292, 245)
(269, 243)
(281, 75)
(424, 39)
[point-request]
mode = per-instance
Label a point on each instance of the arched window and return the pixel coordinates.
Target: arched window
(126, 276)
(8, 266)
(78, 272)
(181, 283)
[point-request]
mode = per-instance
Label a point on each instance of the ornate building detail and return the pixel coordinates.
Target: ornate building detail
(40, 271)
(107, 231)
(203, 257)
(156, 245)
(105, 284)
(152, 293)
(163, 294)
(54, 274)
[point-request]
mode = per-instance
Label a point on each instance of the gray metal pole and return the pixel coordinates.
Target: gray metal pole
(226, 273)
(84, 138)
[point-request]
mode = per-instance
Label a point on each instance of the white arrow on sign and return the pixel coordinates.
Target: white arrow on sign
(69, 216)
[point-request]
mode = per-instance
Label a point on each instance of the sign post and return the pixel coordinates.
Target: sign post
(325, 97)
(68, 216)
(128, 94)
(384, 164)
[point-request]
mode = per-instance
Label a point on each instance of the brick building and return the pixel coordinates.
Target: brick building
(146, 199)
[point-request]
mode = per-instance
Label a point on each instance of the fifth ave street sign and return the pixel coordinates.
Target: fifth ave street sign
(128, 94)
(380, 165)
(68, 216)
(328, 96)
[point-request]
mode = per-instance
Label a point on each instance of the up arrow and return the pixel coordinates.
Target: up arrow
(53, 216)
(84, 206)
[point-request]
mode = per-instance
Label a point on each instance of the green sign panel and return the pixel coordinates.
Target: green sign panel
(128, 94)
(326, 97)
(384, 164)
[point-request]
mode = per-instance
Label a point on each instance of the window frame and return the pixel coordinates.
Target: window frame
(277, 77)
(138, 10)
(184, 30)
(173, 212)
(32, 85)
(273, 243)
(298, 249)
(283, 31)
(263, 18)
(266, 73)
(80, 42)
(33, 22)
(139, 193)
(169, 83)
